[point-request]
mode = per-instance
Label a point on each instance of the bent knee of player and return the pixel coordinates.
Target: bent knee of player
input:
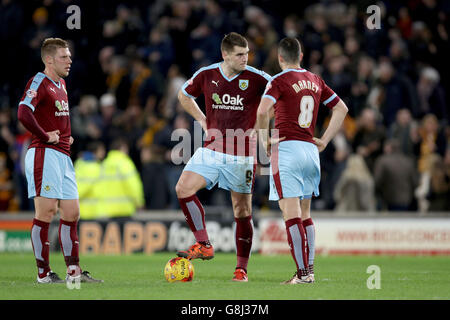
(183, 189)
(188, 184)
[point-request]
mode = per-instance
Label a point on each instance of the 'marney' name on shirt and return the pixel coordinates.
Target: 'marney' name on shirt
(302, 85)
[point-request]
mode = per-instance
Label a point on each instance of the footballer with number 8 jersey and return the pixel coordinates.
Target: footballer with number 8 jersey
(44, 111)
(232, 92)
(295, 95)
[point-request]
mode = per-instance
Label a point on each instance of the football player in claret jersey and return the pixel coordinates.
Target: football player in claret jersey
(295, 95)
(232, 92)
(44, 111)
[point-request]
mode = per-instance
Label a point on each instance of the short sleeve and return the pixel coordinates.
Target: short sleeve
(31, 96)
(193, 87)
(329, 98)
(272, 91)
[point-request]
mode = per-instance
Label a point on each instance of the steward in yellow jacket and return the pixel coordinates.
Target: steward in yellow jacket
(88, 171)
(120, 186)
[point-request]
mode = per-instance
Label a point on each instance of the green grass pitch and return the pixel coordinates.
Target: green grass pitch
(139, 276)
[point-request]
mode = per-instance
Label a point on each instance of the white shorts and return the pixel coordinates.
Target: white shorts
(294, 170)
(231, 172)
(50, 174)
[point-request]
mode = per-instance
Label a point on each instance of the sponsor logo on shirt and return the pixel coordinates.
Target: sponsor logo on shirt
(227, 102)
(63, 108)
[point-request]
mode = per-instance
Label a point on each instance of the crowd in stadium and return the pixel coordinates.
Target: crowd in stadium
(131, 58)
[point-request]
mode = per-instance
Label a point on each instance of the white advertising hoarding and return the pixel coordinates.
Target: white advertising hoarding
(365, 236)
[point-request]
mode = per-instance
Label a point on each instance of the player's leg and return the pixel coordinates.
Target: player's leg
(68, 239)
(188, 185)
(310, 232)
(242, 209)
(45, 209)
(68, 235)
(39, 180)
(291, 210)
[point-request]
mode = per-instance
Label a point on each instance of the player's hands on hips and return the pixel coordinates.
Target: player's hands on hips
(321, 145)
(204, 126)
(53, 137)
(70, 140)
(272, 142)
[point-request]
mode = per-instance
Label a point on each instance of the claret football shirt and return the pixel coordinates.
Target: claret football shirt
(49, 103)
(231, 106)
(297, 94)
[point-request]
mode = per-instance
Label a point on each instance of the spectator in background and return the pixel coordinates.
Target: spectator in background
(159, 51)
(404, 130)
(174, 82)
(369, 137)
(353, 53)
(86, 123)
(355, 189)
(337, 76)
(152, 171)
(360, 85)
(217, 18)
(177, 145)
(393, 92)
(439, 193)
(153, 124)
(124, 29)
(204, 43)
(431, 95)
(40, 30)
(180, 22)
(421, 44)
(395, 178)
(431, 143)
(111, 119)
(118, 80)
(404, 22)
(260, 32)
(400, 58)
(88, 170)
(132, 127)
(431, 140)
(138, 76)
(333, 160)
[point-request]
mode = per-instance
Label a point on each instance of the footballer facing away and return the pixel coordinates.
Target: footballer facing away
(295, 95)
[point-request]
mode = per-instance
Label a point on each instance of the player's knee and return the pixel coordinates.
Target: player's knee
(241, 211)
(46, 214)
(183, 190)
